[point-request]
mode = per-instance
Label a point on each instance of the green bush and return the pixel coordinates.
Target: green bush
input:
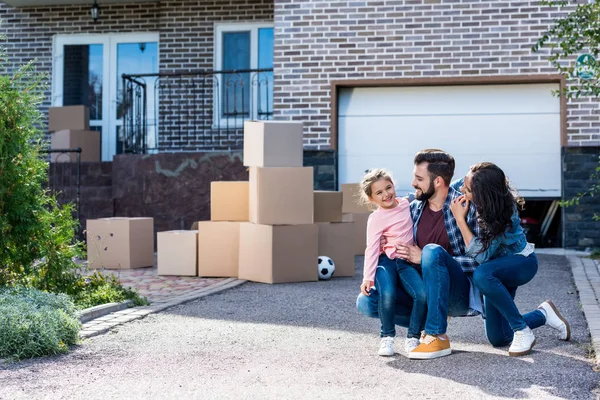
(101, 289)
(34, 323)
(37, 235)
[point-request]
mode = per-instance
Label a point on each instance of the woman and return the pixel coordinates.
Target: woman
(506, 260)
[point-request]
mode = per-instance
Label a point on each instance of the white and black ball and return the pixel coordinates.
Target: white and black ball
(326, 267)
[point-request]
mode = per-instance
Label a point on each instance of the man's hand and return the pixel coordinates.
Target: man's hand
(365, 287)
(410, 253)
(460, 208)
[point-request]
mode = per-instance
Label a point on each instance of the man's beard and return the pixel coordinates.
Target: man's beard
(424, 196)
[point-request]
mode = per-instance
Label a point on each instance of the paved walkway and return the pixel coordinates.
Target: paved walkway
(307, 341)
(586, 274)
(162, 292)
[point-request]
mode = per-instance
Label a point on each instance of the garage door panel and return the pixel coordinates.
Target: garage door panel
(514, 126)
(528, 133)
(449, 100)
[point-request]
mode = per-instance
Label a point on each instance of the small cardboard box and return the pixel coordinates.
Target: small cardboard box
(218, 248)
(229, 201)
(278, 254)
(68, 117)
(351, 199)
(328, 206)
(177, 252)
(273, 144)
(281, 196)
(88, 141)
(360, 231)
(336, 241)
(120, 243)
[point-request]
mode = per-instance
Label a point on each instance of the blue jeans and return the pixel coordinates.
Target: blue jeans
(388, 301)
(412, 282)
(447, 288)
(498, 280)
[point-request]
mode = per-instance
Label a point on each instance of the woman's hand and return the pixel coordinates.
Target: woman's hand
(460, 208)
(365, 287)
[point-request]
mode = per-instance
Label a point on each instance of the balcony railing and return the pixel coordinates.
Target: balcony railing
(194, 111)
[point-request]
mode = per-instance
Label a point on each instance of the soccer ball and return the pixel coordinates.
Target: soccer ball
(326, 267)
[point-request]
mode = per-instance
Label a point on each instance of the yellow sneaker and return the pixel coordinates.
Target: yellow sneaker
(431, 347)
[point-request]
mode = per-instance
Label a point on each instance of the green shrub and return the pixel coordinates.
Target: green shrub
(35, 323)
(101, 289)
(37, 235)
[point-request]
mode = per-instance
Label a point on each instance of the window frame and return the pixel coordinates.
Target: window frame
(220, 29)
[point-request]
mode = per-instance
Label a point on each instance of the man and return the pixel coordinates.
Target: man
(446, 269)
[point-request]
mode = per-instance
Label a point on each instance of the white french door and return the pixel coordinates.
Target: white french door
(87, 70)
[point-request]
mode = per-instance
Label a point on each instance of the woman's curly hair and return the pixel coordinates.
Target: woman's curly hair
(494, 200)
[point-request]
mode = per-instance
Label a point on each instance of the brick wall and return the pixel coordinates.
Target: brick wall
(186, 30)
(319, 41)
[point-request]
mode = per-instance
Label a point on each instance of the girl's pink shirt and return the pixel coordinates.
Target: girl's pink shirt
(395, 224)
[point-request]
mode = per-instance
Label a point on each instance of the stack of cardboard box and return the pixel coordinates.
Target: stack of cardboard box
(353, 210)
(280, 241)
(70, 127)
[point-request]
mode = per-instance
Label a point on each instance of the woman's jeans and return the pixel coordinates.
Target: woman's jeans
(498, 280)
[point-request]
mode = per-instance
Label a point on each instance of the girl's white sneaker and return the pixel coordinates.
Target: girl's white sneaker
(386, 346)
(410, 344)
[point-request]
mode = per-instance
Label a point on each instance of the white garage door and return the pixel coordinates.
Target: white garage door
(515, 126)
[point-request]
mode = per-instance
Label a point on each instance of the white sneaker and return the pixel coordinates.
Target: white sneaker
(386, 346)
(410, 344)
(522, 343)
(555, 320)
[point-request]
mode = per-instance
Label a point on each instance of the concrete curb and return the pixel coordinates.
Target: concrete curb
(587, 280)
(91, 313)
(103, 324)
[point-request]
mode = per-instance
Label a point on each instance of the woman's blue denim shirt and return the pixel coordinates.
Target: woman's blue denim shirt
(512, 241)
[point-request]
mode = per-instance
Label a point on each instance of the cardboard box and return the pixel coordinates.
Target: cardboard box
(281, 196)
(218, 248)
(177, 252)
(68, 117)
(88, 141)
(273, 144)
(351, 199)
(336, 241)
(360, 231)
(120, 243)
(229, 201)
(278, 254)
(328, 206)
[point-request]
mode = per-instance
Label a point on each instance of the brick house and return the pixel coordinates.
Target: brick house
(373, 81)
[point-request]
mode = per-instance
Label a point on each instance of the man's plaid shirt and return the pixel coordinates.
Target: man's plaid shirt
(457, 243)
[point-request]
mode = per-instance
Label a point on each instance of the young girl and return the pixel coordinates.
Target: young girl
(392, 221)
(506, 260)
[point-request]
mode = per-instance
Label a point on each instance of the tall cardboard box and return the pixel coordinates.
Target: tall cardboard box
(229, 201)
(120, 243)
(351, 199)
(88, 141)
(360, 231)
(278, 254)
(273, 144)
(68, 117)
(328, 206)
(336, 241)
(218, 248)
(281, 196)
(177, 253)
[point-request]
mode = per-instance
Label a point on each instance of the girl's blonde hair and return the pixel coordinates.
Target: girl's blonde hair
(371, 177)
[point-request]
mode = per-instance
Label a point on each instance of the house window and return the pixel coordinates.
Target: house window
(249, 93)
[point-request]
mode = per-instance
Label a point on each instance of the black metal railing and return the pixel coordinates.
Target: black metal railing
(201, 110)
(64, 176)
